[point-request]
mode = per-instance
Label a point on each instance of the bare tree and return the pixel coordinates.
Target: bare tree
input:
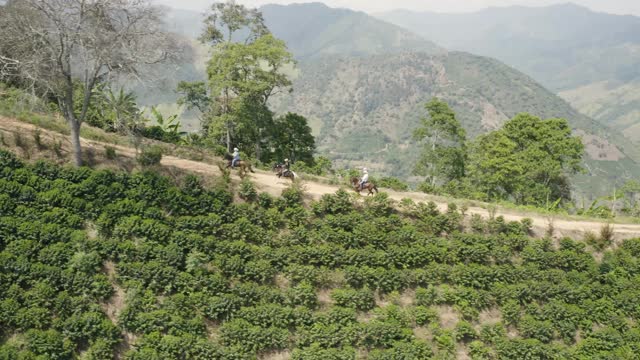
(66, 47)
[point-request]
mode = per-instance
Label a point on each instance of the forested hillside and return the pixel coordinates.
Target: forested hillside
(365, 109)
(590, 58)
(103, 264)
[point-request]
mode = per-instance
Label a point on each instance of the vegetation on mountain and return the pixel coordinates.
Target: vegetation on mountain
(363, 111)
(561, 46)
(243, 74)
(316, 30)
(64, 49)
(527, 161)
(91, 258)
(444, 155)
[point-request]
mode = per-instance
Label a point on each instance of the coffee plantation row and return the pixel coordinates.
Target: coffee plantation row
(207, 277)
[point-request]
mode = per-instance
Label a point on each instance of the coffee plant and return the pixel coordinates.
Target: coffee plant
(90, 258)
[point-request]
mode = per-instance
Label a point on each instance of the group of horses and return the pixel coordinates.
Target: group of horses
(282, 172)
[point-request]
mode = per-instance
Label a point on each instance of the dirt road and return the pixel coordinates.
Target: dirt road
(268, 182)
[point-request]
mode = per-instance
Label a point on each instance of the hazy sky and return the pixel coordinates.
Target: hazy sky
(610, 6)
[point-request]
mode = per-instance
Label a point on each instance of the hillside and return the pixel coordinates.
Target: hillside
(342, 84)
(97, 264)
(363, 110)
(314, 30)
(588, 57)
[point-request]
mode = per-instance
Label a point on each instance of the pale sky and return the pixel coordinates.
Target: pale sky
(610, 6)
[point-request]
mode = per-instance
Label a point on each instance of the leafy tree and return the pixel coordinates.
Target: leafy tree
(292, 139)
(245, 70)
(55, 45)
(443, 157)
(527, 161)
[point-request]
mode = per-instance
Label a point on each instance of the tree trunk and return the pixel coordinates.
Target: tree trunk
(75, 141)
(228, 138)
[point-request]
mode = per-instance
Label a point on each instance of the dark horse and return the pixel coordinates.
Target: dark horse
(282, 171)
(368, 186)
(240, 164)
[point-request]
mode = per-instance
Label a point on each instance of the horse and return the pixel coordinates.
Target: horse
(368, 186)
(281, 171)
(240, 164)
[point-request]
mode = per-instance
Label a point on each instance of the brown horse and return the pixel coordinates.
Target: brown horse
(368, 186)
(281, 171)
(241, 165)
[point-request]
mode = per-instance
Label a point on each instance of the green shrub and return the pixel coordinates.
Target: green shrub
(251, 338)
(150, 156)
(247, 190)
(317, 352)
(403, 351)
(110, 152)
(379, 334)
(392, 183)
(465, 332)
(361, 300)
(293, 195)
(423, 315)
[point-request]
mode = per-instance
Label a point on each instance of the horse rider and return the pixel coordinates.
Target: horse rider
(365, 178)
(236, 157)
(287, 166)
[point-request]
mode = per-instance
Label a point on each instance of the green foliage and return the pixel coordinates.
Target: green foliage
(392, 183)
(247, 190)
(526, 161)
(293, 140)
(272, 275)
(444, 155)
(361, 300)
(150, 156)
(464, 331)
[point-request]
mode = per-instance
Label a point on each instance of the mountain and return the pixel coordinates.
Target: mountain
(589, 58)
(363, 110)
(314, 30)
(364, 100)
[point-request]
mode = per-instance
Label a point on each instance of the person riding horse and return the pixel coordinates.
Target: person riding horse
(363, 183)
(284, 170)
(287, 168)
(365, 178)
(236, 157)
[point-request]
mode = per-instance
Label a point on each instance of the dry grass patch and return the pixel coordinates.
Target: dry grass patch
(448, 317)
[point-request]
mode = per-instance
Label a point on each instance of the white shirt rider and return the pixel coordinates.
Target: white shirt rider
(365, 177)
(236, 157)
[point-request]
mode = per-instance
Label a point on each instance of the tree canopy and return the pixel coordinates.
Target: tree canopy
(444, 138)
(527, 161)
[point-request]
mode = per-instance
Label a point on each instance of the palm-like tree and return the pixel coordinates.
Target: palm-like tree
(122, 109)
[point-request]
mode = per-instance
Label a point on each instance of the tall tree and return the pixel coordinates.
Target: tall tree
(528, 160)
(224, 20)
(245, 70)
(293, 139)
(444, 139)
(54, 44)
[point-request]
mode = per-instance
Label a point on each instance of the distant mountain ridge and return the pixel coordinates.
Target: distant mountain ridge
(320, 30)
(589, 58)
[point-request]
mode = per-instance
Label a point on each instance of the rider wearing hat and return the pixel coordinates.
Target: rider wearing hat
(236, 157)
(365, 178)
(287, 166)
